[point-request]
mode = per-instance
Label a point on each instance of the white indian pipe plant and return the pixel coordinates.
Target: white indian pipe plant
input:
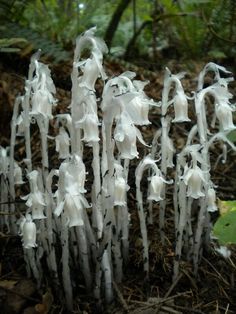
(91, 223)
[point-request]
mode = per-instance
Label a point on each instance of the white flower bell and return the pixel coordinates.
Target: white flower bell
(73, 208)
(125, 135)
(180, 106)
(194, 179)
(35, 199)
(70, 191)
(225, 116)
(138, 109)
(120, 191)
(63, 143)
(17, 174)
(28, 233)
(4, 161)
(120, 186)
(156, 187)
(89, 123)
(211, 200)
(43, 87)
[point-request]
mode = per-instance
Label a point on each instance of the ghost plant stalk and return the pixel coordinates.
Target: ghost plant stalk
(194, 180)
(221, 98)
(181, 115)
(12, 161)
(84, 110)
(156, 192)
(26, 110)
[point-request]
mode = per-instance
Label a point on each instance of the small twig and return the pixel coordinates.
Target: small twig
(173, 285)
(227, 308)
(169, 310)
(20, 294)
(120, 297)
(190, 279)
(160, 301)
(188, 309)
(226, 282)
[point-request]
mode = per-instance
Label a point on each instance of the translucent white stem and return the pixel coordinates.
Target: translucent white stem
(84, 256)
(97, 208)
(11, 165)
(65, 262)
(143, 227)
(107, 277)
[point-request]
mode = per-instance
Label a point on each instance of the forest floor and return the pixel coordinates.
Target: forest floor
(212, 291)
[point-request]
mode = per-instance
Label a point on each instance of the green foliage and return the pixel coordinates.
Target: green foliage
(35, 40)
(62, 21)
(6, 43)
(232, 136)
(225, 227)
(195, 28)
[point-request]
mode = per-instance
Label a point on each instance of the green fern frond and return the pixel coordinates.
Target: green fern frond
(49, 48)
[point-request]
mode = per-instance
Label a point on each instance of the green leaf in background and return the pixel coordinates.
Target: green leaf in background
(6, 42)
(232, 136)
(225, 227)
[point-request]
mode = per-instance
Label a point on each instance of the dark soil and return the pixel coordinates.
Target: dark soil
(213, 291)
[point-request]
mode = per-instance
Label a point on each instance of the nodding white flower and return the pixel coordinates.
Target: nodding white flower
(17, 174)
(194, 179)
(35, 199)
(180, 106)
(74, 175)
(92, 67)
(225, 116)
(113, 102)
(4, 161)
(120, 192)
(89, 123)
(156, 186)
(43, 87)
(120, 187)
(125, 135)
(63, 143)
(211, 200)
(73, 207)
(70, 188)
(42, 102)
(28, 232)
(138, 109)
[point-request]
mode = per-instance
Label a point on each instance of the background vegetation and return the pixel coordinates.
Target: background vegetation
(133, 29)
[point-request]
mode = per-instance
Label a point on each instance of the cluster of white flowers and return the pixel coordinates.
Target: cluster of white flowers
(91, 221)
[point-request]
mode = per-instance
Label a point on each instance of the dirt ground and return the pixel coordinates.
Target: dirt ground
(212, 291)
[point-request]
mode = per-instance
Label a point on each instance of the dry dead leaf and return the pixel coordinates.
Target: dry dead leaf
(45, 306)
(7, 284)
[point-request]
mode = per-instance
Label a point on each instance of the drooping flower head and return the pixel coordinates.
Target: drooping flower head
(63, 143)
(43, 90)
(35, 199)
(194, 179)
(121, 186)
(28, 232)
(125, 136)
(211, 200)
(180, 105)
